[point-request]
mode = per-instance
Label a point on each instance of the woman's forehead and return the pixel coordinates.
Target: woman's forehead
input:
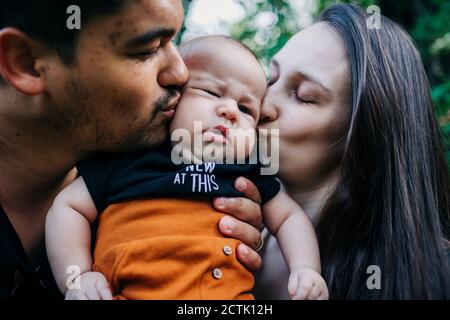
(316, 51)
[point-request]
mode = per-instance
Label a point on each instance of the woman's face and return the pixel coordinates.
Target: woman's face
(309, 100)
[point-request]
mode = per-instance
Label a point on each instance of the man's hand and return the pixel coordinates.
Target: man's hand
(94, 286)
(244, 222)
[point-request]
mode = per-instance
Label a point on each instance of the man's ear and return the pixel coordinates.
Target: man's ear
(18, 62)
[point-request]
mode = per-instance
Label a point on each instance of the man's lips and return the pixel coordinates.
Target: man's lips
(173, 103)
(169, 111)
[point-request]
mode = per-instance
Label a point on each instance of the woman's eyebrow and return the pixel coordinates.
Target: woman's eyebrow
(305, 75)
(314, 80)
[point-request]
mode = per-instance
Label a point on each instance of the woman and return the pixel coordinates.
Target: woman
(361, 151)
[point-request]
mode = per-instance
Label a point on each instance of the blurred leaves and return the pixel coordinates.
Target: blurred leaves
(323, 4)
(266, 28)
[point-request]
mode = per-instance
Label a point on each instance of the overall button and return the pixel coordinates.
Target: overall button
(217, 273)
(227, 250)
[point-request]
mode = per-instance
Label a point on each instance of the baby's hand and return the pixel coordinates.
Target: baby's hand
(307, 284)
(94, 286)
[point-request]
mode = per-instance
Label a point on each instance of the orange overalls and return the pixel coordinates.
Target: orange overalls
(168, 248)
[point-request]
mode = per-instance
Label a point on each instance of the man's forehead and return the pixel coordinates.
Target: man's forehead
(159, 10)
(141, 16)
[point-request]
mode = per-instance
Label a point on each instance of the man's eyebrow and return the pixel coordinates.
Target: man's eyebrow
(150, 36)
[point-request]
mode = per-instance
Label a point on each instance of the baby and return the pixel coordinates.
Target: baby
(157, 235)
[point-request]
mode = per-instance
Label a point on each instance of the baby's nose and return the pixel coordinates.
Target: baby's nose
(229, 110)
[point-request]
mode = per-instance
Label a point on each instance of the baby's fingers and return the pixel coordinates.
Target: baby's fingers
(314, 293)
(324, 295)
(304, 287)
(319, 290)
(293, 283)
(92, 293)
(104, 290)
(75, 294)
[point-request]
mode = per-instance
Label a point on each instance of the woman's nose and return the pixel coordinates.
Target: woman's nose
(269, 110)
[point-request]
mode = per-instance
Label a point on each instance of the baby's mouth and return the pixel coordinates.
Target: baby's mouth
(218, 134)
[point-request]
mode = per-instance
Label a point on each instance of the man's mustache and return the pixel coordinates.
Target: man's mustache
(163, 102)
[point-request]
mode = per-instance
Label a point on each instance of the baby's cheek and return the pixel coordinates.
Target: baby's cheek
(181, 118)
(243, 144)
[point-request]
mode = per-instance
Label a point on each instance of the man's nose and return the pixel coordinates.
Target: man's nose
(175, 72)
(229, 110)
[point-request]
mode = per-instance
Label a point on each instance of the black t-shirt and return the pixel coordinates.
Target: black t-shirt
(19, 279)
(114, 177)
(150, 173)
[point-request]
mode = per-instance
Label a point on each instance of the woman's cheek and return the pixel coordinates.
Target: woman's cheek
(295, 128)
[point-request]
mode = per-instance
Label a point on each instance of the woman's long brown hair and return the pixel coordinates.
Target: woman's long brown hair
(391, 207)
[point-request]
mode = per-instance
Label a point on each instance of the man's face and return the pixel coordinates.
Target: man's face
(126, 74)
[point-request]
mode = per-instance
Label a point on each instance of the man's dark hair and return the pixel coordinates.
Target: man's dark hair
(45, 20)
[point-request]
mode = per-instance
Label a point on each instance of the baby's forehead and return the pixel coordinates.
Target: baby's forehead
(223, 58)
(205, 50)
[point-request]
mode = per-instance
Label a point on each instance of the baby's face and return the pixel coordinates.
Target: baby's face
(224, 93)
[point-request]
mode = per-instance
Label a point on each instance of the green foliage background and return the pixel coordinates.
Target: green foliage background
(427, 21)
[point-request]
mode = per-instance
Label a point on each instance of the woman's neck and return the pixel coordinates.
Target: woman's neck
(313, 198)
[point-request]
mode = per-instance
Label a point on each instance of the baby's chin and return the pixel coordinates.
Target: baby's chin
(223, 153)
(210, 150)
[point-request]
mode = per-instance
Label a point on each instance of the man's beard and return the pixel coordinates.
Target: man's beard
(155, 131)
(78, 115)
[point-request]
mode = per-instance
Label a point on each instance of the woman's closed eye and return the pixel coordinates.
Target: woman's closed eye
(303, 97)
(305, 100)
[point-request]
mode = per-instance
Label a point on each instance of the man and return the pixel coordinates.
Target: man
(64, 94)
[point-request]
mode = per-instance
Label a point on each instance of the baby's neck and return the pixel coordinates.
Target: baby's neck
(189, 157)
